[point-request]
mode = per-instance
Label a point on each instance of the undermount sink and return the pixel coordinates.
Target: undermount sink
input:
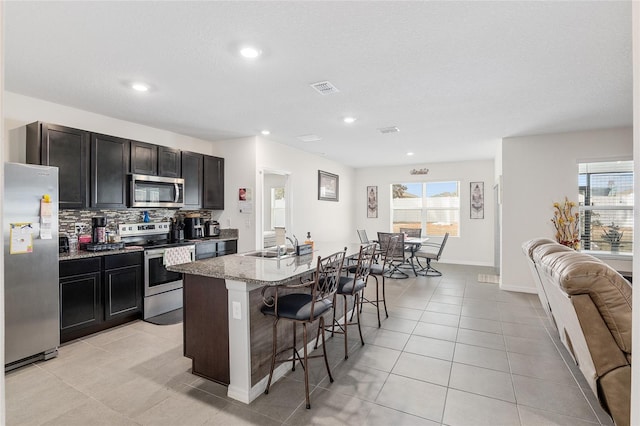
(270, 254)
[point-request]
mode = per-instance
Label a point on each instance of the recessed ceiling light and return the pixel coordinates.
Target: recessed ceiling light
(250, 52)
(349, 120)
(140, 87)
(265, 132)
(409, 154)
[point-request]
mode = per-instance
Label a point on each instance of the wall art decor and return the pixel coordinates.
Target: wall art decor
(328, 186)
(477, 200)
(372, 201)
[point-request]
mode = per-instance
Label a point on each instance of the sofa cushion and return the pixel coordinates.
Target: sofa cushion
(615, 393)
(531, 245)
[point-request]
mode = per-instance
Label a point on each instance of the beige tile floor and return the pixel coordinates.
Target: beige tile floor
(454, 351)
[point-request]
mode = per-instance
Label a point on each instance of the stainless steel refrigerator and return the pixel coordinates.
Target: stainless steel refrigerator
(31, 296)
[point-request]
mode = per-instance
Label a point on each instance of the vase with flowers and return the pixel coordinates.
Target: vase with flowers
(566, 222)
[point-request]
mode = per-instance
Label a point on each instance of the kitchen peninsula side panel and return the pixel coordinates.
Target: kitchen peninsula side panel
(206, 327)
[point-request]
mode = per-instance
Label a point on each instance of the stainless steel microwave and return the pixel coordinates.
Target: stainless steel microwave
(156, 191)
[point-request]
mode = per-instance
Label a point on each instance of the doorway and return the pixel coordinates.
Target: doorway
(276, 205)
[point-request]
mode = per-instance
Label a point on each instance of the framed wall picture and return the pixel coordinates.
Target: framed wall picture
(372, 201)
(328, 186)
(477, 200)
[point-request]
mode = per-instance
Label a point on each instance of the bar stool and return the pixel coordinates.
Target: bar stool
(352, 285)
(388, 244)
(304, 308)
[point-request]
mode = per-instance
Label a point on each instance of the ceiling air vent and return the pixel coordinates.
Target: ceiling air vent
(325, 88)
(385, 130)
(309, 138)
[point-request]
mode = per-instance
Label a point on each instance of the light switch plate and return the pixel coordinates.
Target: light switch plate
(237, 311)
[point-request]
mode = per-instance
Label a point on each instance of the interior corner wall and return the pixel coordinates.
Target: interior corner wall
(536, 172)
(474, 246)
(239, 172)
(326, 220)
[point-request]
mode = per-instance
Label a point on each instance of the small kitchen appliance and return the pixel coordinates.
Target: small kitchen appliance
(155, 191)
(99, 227)
(211, 228)
(193, 228)
(63, 244)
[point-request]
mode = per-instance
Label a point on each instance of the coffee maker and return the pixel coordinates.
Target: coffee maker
(99, 228)
(193, 228)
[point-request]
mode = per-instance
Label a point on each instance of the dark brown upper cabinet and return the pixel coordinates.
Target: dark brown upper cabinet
(67, 149)
(192, 174)
(109, 168)
(213, 185)
(169, 162)
(144, 158)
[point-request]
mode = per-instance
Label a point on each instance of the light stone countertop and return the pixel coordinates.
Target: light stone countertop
(257, 270)
(83, 254)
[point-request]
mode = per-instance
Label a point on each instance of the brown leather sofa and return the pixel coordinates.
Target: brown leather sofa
(590, 305)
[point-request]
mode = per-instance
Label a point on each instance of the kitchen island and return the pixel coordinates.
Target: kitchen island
(227, 337)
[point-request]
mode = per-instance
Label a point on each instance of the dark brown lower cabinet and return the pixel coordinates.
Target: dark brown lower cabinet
(80, 302)
(99, 293)
(206, 327)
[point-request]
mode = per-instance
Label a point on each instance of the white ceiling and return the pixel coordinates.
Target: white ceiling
(455, 77)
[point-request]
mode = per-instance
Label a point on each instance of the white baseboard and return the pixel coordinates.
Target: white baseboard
(463, 262)
(518, 288)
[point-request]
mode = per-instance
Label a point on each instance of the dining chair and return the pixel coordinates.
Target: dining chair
(396, 257)
(352, 286)
(362, 234)
(430, 251)
(411, 233)
(304, 308)
(382, 269)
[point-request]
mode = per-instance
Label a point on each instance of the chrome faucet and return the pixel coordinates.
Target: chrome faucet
(293, 243)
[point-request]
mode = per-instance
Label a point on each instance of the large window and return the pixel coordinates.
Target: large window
(433, 207)
(606, 206)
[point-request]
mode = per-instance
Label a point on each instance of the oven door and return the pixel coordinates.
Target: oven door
(157, 279)
(156, 191)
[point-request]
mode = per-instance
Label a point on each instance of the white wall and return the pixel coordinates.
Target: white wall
(239, 172)
(3, 142)
(326, 220)
(20, 110)
(536, 172)
(475, 244)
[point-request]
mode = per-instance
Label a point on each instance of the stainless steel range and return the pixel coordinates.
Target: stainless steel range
(162, 288)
